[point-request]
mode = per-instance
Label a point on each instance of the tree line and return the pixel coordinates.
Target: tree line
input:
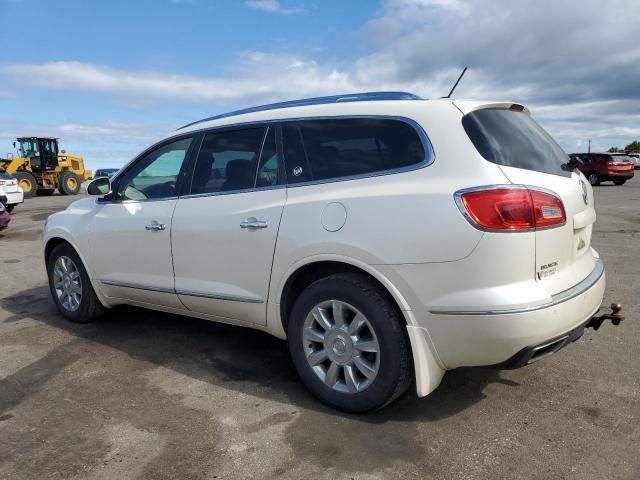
(633, 147)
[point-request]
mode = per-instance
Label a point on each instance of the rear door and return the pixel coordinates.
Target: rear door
(529, 156)
(224, 232)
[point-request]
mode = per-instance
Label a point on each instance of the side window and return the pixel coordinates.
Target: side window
(270, 171)
(155, 174)
(347, 147)
(227, 161)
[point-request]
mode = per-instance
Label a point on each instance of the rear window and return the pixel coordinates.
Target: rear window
(513, 139)
(619, 158)
(337, 148)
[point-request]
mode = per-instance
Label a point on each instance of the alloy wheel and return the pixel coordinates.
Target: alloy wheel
(341, 347)
(67, 283)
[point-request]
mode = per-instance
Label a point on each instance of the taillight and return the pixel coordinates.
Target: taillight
(511, 208)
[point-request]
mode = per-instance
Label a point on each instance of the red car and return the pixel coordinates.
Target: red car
(602, 167)
(5, 217)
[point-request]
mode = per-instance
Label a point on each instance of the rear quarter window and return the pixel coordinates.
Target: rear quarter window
(513, 139)
(328, 149)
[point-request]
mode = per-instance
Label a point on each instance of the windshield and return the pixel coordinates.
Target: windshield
(511, 138)
(619, 158)
(28, 148)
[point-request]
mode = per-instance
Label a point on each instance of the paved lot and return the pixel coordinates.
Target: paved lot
(147, 395)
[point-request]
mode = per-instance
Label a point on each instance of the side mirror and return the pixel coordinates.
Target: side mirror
(100, 186)
(14, 144)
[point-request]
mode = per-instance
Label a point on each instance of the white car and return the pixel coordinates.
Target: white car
(10, 192)
(386, 237)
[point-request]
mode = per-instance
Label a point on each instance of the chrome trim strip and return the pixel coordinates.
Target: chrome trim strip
(556, 299)
(214, 296)
(137, 287)
(231, 192)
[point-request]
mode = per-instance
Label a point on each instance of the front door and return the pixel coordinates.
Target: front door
(224, 232)
(130, 237)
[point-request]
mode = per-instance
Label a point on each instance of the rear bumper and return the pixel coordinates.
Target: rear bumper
(490, 338)
(533, 353)
(11, 198)
(616, 175)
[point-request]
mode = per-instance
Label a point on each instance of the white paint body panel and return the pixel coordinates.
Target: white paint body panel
(212, 254)
(403, 229)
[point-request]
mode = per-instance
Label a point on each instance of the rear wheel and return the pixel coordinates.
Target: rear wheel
(70, 286)
(594, 178)
(348, 343)
(69, 183)
(27, 183)
(620, 181)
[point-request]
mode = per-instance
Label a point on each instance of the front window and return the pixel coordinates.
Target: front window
(28, 148)
(155, 175)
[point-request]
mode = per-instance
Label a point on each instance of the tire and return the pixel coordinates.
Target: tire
(358, 296)
(594, 178)
(10, 207)
(620, 181)
(46, 192)
(88, 306)
(27, 182)
(69, 183)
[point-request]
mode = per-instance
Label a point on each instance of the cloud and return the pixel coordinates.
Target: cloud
(575, 63)
(274, 6)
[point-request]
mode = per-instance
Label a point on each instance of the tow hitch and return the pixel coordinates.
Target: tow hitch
(615, 316)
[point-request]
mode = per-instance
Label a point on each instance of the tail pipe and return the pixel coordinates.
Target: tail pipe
(615, 316)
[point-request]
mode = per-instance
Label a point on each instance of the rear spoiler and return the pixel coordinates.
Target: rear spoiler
(468, 106)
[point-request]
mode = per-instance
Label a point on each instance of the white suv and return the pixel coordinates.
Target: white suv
(10, 192)
(386, 237)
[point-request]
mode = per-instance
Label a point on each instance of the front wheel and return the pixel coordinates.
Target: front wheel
(70, 286)
(10, 207)
(620, 181)
(348, 343)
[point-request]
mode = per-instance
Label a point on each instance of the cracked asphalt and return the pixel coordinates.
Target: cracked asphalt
(147, 395)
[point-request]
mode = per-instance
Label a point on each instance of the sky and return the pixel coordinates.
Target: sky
(111, 77)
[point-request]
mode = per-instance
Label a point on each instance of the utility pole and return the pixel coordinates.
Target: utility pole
(589, 150)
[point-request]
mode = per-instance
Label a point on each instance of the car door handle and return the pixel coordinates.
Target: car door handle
(154, 227)
(252, 223)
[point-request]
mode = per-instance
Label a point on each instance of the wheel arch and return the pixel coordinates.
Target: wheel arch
(428, 369)
(308, 271)
(53, 241)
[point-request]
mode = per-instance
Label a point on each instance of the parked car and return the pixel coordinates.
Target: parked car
(5, 217)
(387, 237)
(603, 167)
(106, 172)
(635, 158)
(10, 192)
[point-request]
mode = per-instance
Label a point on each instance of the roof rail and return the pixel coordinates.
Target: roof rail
(352, 97)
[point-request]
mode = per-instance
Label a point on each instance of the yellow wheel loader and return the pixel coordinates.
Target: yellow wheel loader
(41, 168)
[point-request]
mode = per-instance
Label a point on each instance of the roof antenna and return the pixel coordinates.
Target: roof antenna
(456, 84)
